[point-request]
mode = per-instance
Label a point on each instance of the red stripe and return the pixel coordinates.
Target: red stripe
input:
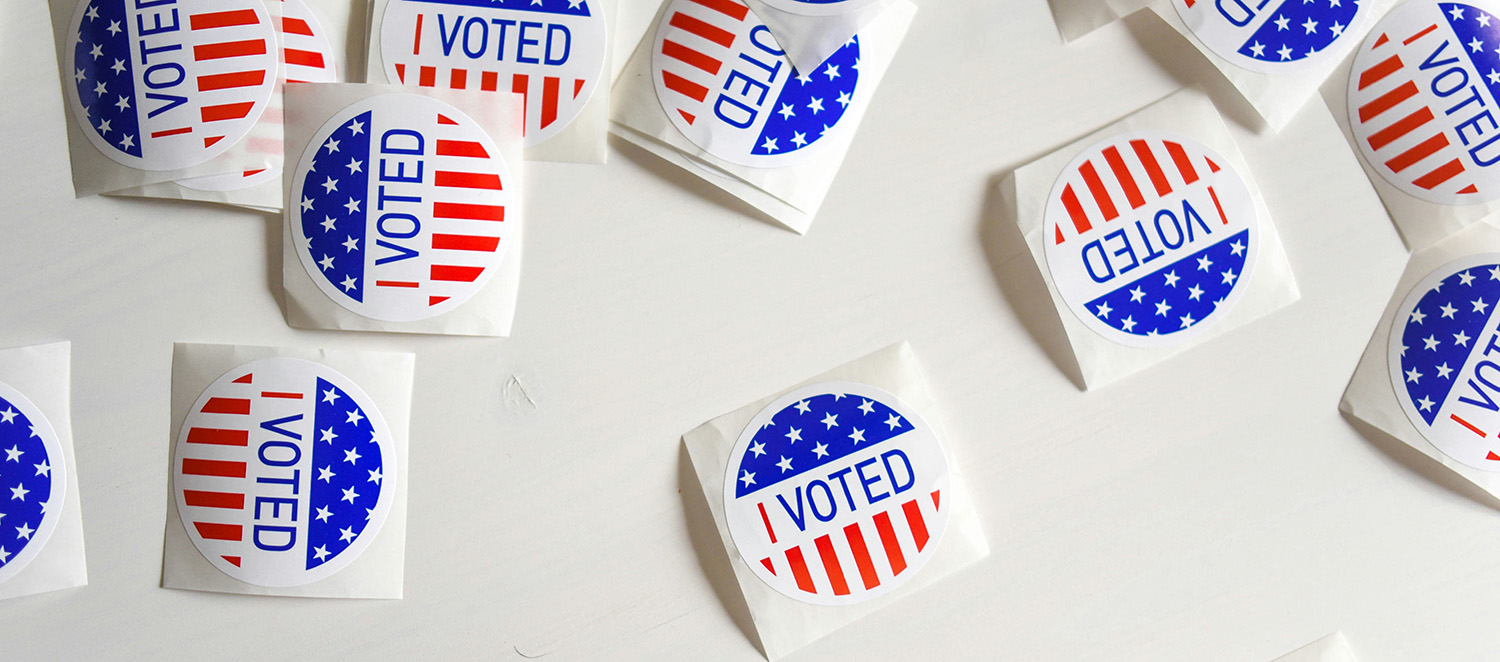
(1387, 101)
(171, 132)
(856, 540)
(427, 77)
(1467, 424)
(1378, 72)
(226, 81)
(464, 242)
(1421, 151)
(458, 79)
(1075, 210)
(1096, 189)
(489, 81)
(416, 42)
(468, 211)
(209, 141)
(1218, 206)
(1440, 174)
(303, 58)
(213, 531)
(1402, 127)
(223, 19)
(889, 541)
(799, 570)
(285, 395)
(221, 468)
(1419, 35)
(227, 111)
(1381, 41)
(1122, 174)
(914, 520)
(519, 85)
(549, 101)
(1183, 163)
(767, 521)
(728, 8)
(202, 499)
(578, 86)
(296, 26)
(677, 51)
(767, 563)
(232, 559)
(227, 406)
(229, 49)
(218, 437)
(461, 148)
(1153, 169)
(433, 301)
(248, 378)
(397, 283)
(703, 29)
(684, 86)
(831, 565)
(454, 273)
(467, 180)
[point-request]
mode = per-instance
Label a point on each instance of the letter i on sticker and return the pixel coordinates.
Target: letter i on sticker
(834, 493)
(1422, 100)
(1444, 359)
(1273, 36)
(169, 84)
(284, 472)
(1150, 236)
(33, 481)
(399, 208)
(728, 87)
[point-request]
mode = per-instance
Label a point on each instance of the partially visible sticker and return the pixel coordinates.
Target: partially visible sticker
(1424, 93)
(233, 181)
(835, 492)
(820, 7)
(1444, 359)
(166, 86)
(398, 207)
(1149, 237)
(33, 481)
(551, 52)
(728, 87)
(284, 472)
(1273, 36)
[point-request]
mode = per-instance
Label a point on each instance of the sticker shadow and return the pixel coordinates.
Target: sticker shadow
(1419, 464)
(713, 559)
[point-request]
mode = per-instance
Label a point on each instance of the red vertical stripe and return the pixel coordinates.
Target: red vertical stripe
(458, 79)
(1096, 189)
(468, 211)
(1075, 210)
(677, 51)
(1378, 72)
(1122, 174)
(520, 84)
(549, 101)
(1439, 175)
(225, 49)
(1387, 101)
(1217, 205)
(1153, 169)
(889, 541)
(227, 406)
(856, 540)
(728, 8)
(464, 242)
(200, 499)
(767, 521)
(799, 570)
(1183, 163)
(914, 520)
(479, 180)
(222, 19)
(220, 468)
(1402, 127)
(416, 40)
(684, 86)
(218, 437)
(461, 148)
(214, 531)
(703, 29)
(296, 26)
(303, 58)
(453, 273)
(831, 565)
(489, 81)
(427, 76)
(1421, 151)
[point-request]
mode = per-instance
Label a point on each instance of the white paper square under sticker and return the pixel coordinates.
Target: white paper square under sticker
(811, 31)
(835, 498)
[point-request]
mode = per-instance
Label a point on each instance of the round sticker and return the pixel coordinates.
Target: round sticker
(1444, 359)
(305, 46)
(1423, 97)
(1149, 235)
(834, 493)
(1272, 36)
(168, 85)
(549, 51)
(33, 478)
(820, 7)
(401, 210)
(728, 87)
(283, 472)
(232, 181)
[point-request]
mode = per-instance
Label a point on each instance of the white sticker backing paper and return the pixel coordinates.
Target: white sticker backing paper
(836, 497)
(288, 472)
(812, 30)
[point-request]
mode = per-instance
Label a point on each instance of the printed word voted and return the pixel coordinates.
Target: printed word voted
(526, 42)
(1124, 249)
(874, 479)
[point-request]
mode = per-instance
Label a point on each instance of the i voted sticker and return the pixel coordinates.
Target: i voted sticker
(834, 493)
(1272, 36)
(33, 481)
(1423, 98)
(727, 86)
(168, 84)
(399, 208)
(1150, 235)
(820, 7)
(1444, 359)
(285, 471)
(549, 51)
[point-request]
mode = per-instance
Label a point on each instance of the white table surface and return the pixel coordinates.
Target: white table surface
(1216, 507)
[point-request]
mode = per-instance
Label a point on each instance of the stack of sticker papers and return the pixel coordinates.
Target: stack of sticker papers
(712, 89)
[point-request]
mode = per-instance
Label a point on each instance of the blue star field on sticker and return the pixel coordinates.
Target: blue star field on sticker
(812, 433)
(1442, 332)
(25, 481)
(347, 476)
(1479, 33)
(334, 204)
(1179, 296)
(570, 7)
(811, 103)
(102, 74)
(1299, 29)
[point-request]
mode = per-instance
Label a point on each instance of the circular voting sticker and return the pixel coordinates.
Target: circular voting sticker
(283, 472)
(33, 481)
(1272, 36)
(1149, 235)
(550, 51)
(728, 87)
(834, 493)
(1423, 98)
(1444, 359)
(170, 84)
(820, 7)
(401, 207)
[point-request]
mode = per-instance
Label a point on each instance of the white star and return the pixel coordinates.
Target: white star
(352, 206)
(1457, 13)
(831, 72)
(786, 111)
(1282, 23)
(769, 145)
(24, 531)
(758, 448)
(1425, 403)
(13, 454)
(114, 28)
(857, 436)
(99, 89)
(1194, 292)
(351, 456)
(1162, 308)
(328, 435)
(1285, 53)
(356, 127)
(330, 185)
(785, 464)
(803, 407)
(350, 245)
(354, 417)
(92, 13)
(1337, 28)
(1448, 310)
(328, 223)
(18, 492)
(1417, 316)
(347, 534)
(748, 479)
(1444, 371)
(320, 552)
(1258, 49)
(1310, 26)
(1229, 277)
(96, 51)
(821, 450)
(1479, 306)
(802, 78)
(307, 204)
(816, 105)
(355, 165)
(348, 283)
(1128, 323)
(1172, 278)
(867, 407)
(330, 396)
(349, 495)
(1495, 273)
(844, 99)
(1236, 248)
(118, 66)
(1104, 310)
(794, 436)
(1137, 294)
(573, 4)
(1466, 278)
(34, 433)
(799, 139)
(332, 145)
(1461, 339)
(1187, 320)
(1476, 45)
(1484, 20)
(894, 421)
(323, 514)
(127, 142)
(375, 476)
(1431, 343)
(830, 420)
(43, 469)
(1493, 76)
(4, 555)
(1204, 263)
(326, 474)
(1412, 375)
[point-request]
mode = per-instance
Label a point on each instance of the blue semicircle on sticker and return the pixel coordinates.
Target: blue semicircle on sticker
(333, 205)
(347, 476)
(811, 104)
(26, 475)
(1442, 331)
(1298, 29)
(812, 433)
(1178, 296)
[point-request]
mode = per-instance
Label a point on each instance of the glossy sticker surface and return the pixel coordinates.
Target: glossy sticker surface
(1273, 36)
(33, 481)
